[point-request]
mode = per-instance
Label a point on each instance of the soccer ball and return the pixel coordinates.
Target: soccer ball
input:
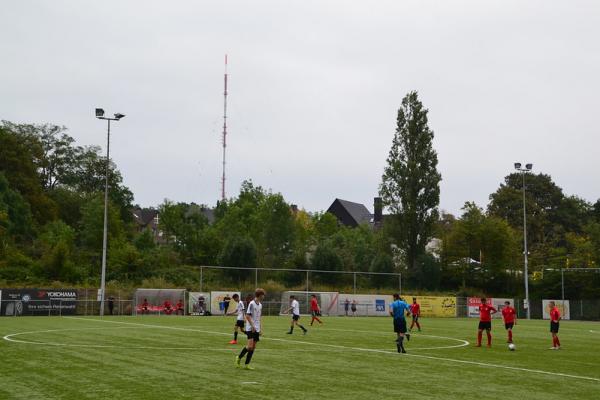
(512, 347)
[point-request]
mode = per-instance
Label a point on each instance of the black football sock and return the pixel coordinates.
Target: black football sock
(235, 335)
(243, 353)
(303, 328)
(291, 328)
(249, 357)
(401, 342)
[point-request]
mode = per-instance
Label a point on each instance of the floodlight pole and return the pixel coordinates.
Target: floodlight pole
(105, 230)
(527, 168)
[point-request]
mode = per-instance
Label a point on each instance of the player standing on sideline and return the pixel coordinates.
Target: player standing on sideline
(315, 310)
(485, 322)
(226, 301)
(415, 310)
(253, 327)
(397, 310)
(554, 325)
(239, 322)
(509, 315)
(295, 309)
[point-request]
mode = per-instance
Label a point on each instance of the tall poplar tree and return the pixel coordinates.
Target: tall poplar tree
(410, 183)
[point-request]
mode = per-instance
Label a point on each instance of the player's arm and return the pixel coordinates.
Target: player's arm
(250, 321)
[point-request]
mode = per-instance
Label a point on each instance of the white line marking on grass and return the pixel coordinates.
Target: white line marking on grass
(250, 383)
(422, 356)
(11, 338)
(463, 343)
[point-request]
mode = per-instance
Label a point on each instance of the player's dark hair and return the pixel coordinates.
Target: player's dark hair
(249, 299)
(292, 297)
(483, 300)
(313, 295)
(507, 302)
(414, 299)
(259, 292)
(236, 296)
(396, 296)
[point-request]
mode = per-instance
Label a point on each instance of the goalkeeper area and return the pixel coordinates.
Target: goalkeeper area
(149, 357)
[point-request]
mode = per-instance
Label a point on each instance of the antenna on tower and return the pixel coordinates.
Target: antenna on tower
(224, 131)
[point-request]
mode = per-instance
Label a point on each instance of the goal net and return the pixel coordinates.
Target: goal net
(328, 301)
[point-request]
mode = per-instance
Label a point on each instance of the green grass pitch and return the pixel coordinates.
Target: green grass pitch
(346, 358)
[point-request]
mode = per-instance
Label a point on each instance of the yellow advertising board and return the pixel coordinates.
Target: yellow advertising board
(434, 306)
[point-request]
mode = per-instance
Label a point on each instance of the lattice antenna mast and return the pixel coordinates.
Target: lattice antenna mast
(224, 131)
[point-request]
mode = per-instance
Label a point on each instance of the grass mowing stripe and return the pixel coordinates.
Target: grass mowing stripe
(420, 356)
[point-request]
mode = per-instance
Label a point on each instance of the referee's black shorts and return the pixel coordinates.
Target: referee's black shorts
(554, 326)
(400, 325)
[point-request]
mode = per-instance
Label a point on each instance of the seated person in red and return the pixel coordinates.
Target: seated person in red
(167, 307)
(145, 307)
(179, 307)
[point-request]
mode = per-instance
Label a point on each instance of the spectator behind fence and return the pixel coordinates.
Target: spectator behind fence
(111, 305)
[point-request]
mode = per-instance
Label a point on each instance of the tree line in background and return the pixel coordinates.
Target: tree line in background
(51, 223)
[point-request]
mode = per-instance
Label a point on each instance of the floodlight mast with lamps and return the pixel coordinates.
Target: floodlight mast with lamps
(117, 117)
(528, 168)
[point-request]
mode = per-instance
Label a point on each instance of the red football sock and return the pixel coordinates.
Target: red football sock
(557, 341)
(489, 338)
(553, 341)
(479, 336)
(418, 325)
(510, 335)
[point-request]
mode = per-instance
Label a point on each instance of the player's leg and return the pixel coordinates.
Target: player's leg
(488, 332)
(417, 322)
(245, 349)
(301, 327)
(255, 339)
(479, 336)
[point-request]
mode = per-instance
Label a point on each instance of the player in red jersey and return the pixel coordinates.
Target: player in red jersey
(415, 310)
(485, 321)
(554, 325)
(315, 310)
(509, 315)
(167, 307)
(145, 307)
(179, 308)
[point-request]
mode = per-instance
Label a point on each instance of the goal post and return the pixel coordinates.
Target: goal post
(328, 301)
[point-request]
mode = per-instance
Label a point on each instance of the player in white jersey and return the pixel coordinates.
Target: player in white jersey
(239, 322)
(295, 309)
(253, 327)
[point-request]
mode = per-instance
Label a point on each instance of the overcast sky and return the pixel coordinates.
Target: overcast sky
(314, 87)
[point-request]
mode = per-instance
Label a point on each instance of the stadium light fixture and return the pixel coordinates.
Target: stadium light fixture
(528, 168)
(118, 116)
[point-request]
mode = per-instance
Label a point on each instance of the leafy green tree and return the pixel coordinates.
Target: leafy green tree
(325, 225)
(239, 252)
(326, 259)
(410, 183)
(15, 215)
(91, 226)
(383, 263)
(16, 162)
(56, 243)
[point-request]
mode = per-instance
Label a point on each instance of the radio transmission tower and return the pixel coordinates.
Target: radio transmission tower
(224, 131)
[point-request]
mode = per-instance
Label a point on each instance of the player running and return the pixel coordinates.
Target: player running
(398, 308)
(295, 309)
(239, 322)
(315, 310)
(253, 328)
(554, 325)
(485, 322)
(415, 310)
(509, 315)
